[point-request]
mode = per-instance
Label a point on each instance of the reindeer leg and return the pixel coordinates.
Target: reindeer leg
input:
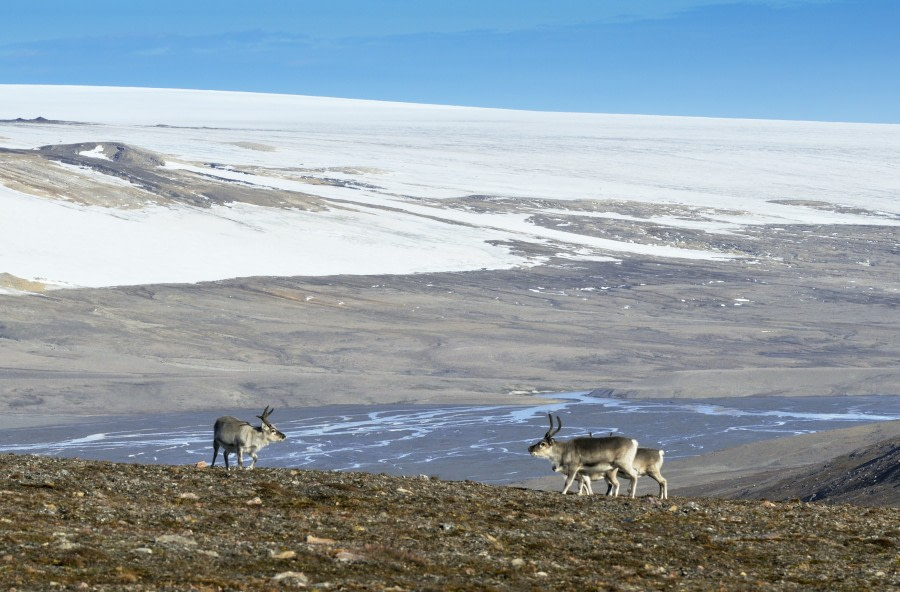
(611, 482)
(569, 479)
(663, 485)
(614, 483)
(632, 475)
(586, 480)
(583, 483)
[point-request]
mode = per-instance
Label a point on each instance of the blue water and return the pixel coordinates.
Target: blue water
(481, 443)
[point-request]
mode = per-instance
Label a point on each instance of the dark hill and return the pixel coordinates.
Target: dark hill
(111, 151)
(869, 476)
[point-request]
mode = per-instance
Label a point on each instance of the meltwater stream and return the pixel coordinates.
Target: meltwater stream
(481, 443)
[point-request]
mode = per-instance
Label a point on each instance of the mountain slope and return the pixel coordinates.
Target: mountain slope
(859, 465)
(869, 476)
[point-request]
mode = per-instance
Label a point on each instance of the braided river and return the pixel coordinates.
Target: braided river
(480, 443)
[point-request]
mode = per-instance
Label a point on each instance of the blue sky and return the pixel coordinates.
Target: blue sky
(830, 60)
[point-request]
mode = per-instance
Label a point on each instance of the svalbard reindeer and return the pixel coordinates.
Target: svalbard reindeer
(601, 454)
(238, 436)
(647, 461)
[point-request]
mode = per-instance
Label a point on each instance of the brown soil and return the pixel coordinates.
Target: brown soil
(72, 524)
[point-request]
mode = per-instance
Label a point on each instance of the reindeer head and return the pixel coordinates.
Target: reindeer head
(543, 446)
(269, 431)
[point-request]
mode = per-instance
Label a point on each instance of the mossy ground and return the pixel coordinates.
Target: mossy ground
(73, 524)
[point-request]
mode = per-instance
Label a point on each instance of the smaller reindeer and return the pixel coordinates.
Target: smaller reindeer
(647, 461)
(235, 435)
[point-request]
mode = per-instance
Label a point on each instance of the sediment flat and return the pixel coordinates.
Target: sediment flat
(639, 328)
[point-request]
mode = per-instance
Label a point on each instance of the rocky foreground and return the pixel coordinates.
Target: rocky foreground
(85, 525)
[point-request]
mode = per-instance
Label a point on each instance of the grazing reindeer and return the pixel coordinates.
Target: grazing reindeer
(602, 454)
(234, 435)
(647, 461)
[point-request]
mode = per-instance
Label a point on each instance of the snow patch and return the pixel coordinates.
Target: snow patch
(97, 152)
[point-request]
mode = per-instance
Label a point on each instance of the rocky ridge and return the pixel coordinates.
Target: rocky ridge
(89, 525)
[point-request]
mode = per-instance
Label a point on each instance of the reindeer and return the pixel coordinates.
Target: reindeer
(234, 435)
(647, 461)
(594, 454)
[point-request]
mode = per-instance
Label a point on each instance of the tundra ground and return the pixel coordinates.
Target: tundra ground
(78, 525)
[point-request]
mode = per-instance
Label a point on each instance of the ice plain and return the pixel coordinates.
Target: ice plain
(405, 176)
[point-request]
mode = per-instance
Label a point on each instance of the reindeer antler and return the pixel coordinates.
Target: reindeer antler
(551, 432)
(265, 414)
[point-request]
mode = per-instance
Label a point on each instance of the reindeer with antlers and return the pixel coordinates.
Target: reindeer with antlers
(587, 455)
(235, 435)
